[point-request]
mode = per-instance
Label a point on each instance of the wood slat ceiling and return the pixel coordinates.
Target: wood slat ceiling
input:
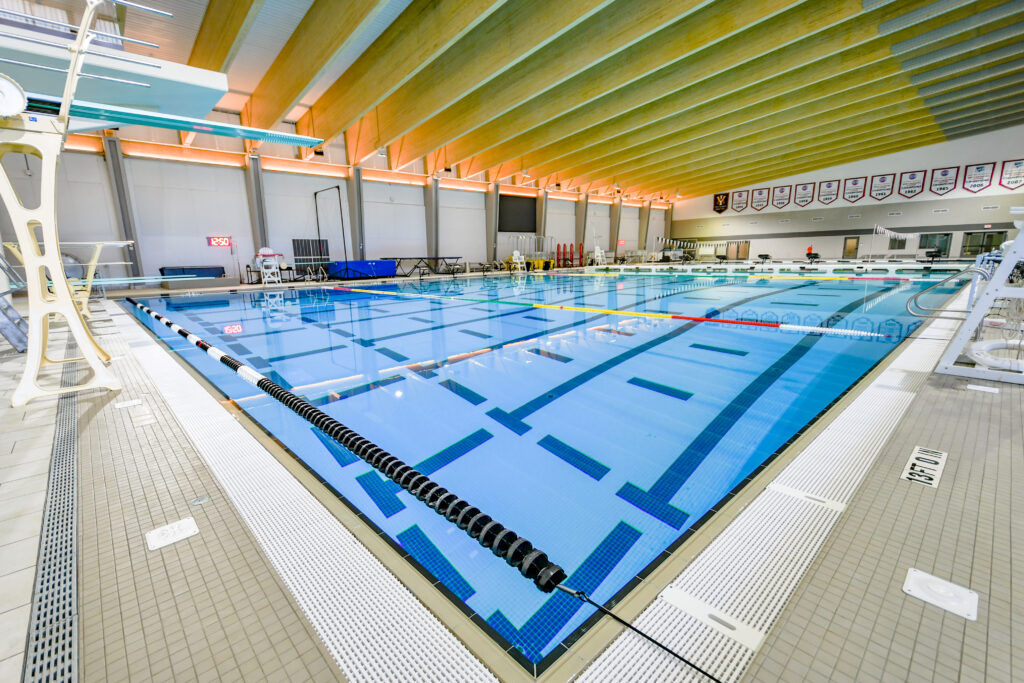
(654, 98)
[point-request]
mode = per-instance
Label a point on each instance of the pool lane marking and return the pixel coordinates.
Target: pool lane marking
(655, 500)
(644, 314)
(661, 388)
(809, 276)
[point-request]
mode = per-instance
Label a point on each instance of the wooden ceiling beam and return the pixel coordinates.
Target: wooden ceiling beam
(322, 34)
(420, 34)
(507, 36)
(822, 58)
(599, 57)
(886, 92)
(225, 26)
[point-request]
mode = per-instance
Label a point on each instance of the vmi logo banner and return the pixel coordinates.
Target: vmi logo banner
(721, 202)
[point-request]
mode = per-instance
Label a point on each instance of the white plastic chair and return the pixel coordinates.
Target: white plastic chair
(270, 267)
(518, 262)
(599, 257)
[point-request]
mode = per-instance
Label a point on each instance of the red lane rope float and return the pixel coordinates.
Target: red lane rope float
(518, 552)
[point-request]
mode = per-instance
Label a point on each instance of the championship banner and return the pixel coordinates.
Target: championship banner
(881, 185)
(978, 176)
(853, 189)
(944, 179)
(759, 198)
(828, 190)
(781, 195)
(721, 202)
(804, 194)
(1012, 176)
(739, 200)
(911, 183)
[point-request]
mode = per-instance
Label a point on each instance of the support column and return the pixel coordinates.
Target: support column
(123, 200)
(542, 213)
(430, 207)
(613, 225)
(355, 214)
(257, 202)
(581, 218)
(491, 212)
(645, 224)
(668, 221)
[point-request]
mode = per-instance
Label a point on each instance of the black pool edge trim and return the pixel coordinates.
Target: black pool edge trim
(538, 668)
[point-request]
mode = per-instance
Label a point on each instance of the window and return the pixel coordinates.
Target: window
(980, 242)
(897, 243)
(936, 241)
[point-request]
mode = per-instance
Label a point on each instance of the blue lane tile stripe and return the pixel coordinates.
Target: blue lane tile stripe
(275, 376)
(342, 333)
(337, 451)
(354, 391)
(542, 626)
(480, 335)
(792, 303)
(300, 354)
(463, 392)
(390, 353)
(655, 501)
(537, 317)
(550, 354)
(428, 321)
(660, 388)
(581, 461)
(384, 492)
(514, 419)
(240, 349)
(719, 349)
(433, 560)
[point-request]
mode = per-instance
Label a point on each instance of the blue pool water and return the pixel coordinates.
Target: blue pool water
(601, 438)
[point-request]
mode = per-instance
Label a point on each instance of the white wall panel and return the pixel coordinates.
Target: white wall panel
(178, 205)
(291, 213)
(561, 220)
(629, 229)
(462, 225)
(598, 226)
(656, 228)
(394, 221)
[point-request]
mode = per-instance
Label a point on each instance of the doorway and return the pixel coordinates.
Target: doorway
(850, 247)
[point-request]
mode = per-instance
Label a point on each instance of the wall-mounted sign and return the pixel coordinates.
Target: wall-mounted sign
(220, 241)
(781, 195)
(828, 190)
(739, 200)
(853, 189)
(881, 185)
(721, 202)
(233, 328)
(1012, 176)
(759, 198)
(978, 176)
(622, 243)
(911, 183)
(944, 179)
(803, 194)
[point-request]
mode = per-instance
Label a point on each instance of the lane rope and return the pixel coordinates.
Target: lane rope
(785, 327)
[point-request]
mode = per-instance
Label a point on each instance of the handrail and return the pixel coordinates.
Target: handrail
(912, 301)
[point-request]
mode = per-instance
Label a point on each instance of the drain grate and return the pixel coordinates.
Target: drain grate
(51, 651)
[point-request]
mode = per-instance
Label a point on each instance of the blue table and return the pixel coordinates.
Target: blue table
(198, 271)
(357, 269)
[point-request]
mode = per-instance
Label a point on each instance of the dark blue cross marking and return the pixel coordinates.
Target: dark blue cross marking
(655, 501)
(479, 335)
(428, 321)
(300, 354)
(342, 333)
(354, 391)
(240, 349)
(258, 362)
(390, 353)
(719, 349)
(537, 317)
(661, 388)
(275, 377)
(581, 461)
(384, 492)
(514, 419)
(337, 451)
(463, 392)
(433, 560)
(792, 303)
(813, 294)
(544, 353)
(542, 626)
(612, 331)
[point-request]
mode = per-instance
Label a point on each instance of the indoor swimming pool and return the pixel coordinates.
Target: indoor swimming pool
(558, 404)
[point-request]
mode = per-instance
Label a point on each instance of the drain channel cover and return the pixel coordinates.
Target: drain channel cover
(941, 593)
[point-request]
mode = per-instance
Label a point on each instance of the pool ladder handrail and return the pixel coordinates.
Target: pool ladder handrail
(912, 301)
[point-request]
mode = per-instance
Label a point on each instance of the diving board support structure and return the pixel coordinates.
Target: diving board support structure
(1002, 289)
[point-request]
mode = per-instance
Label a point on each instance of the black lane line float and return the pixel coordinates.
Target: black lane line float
(503, 542)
